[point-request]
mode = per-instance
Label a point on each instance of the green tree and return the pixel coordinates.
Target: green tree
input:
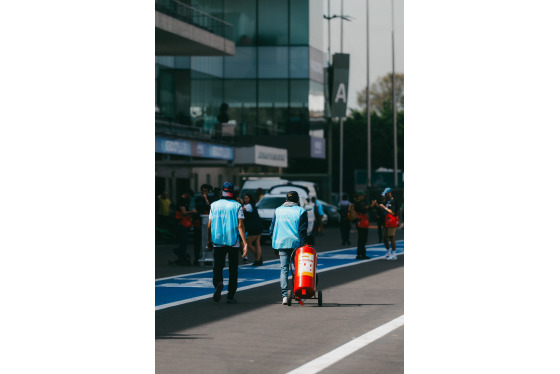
(381, 91)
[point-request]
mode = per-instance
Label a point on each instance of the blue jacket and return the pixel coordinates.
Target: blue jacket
(225, 223)
(289, 227)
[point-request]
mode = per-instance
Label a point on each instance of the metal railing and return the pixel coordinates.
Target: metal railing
(177, 130)
(195, 17)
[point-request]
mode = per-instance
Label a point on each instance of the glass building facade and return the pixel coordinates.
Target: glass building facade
(273, 85)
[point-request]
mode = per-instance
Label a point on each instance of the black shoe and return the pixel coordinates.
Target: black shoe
(365, 257)
(359, 257)
(256, 263)
(218, 293)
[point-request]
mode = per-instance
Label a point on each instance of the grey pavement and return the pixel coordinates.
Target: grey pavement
(259, 334)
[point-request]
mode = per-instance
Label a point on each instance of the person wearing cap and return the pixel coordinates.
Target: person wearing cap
(288, 231)
(363, 224)
(390, 206)
(225, 230)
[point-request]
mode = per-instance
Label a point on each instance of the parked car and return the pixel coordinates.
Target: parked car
(331, 217)
(276, 197)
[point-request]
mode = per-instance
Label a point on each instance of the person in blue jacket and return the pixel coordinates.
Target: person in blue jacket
(225, 222)
(289, 232)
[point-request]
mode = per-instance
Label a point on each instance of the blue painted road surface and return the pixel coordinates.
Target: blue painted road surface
(187, 288)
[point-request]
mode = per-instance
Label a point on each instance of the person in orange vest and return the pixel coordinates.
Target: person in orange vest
(362, 208)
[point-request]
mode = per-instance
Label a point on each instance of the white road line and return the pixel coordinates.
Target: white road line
(277, 280)
(347, 349)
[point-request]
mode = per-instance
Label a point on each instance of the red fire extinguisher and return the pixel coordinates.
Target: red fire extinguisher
(305, 272)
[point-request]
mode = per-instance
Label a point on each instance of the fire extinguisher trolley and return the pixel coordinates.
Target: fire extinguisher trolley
(304, 279)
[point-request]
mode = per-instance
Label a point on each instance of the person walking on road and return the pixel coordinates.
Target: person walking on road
(363, 224)
(202, 206)
(380, 218)
(319, 213)
(288, 231)
(184, 217)
(390, 207)
(253, 227)
(343, 207)
(225, 222)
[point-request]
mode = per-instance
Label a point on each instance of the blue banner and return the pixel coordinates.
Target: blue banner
(192, 148)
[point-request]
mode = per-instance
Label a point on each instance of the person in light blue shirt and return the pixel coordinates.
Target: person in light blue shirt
(319, 213)
(225, 222)
(289, 232)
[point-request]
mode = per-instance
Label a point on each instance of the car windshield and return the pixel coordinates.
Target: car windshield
(271, 202)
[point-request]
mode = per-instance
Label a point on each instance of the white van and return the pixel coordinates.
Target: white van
(276, 197)
(312, 187)
(252, 184)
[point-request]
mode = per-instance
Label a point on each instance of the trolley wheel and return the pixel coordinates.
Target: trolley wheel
(320, 297)
(289, 297)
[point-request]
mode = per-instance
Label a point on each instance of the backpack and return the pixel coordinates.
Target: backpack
(352, 214)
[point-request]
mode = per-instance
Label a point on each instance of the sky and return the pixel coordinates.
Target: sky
(355, 41)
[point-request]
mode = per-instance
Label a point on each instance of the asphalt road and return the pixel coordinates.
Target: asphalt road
(260, 335)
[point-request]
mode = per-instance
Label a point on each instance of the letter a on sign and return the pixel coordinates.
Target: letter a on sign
(341, 65)
(340, 93)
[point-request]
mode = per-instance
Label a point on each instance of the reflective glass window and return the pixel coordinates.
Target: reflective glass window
(242, 65)
(273, 106)
(206, 98)
(211, 65)
(273, 62)
(299, 22)
(242, 14)
(273, 22)
(299, 62)
(241, 97)
(299, 93)
(273, 92)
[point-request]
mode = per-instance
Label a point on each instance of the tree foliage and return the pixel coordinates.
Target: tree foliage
(381, 91)
(355, 143)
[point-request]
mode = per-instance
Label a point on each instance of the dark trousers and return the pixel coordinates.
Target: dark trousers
(219, 264)
(345, 230)
(362, 240)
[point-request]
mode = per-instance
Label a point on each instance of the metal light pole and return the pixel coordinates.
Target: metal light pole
(343, 18)
(367, 100)
(396, 172)
(340, 187)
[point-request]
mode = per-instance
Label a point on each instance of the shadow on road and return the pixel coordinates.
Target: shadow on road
(171, 320)
(182, 336)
